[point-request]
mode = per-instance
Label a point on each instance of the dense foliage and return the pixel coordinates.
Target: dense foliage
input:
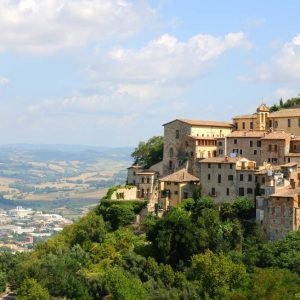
(196, 251)
(149, 153)
(287, 104)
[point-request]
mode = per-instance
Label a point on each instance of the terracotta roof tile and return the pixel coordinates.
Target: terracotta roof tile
(283, 113)
(220, 160)
(247, 134)
(277, 135)
(203, 123)
(286, 192)
(180, 176)
(253, 116)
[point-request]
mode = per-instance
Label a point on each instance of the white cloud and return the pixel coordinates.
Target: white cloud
(48, 26)
(165, 59)
(4, 81)
(285, 65)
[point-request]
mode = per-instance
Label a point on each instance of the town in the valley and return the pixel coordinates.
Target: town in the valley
(255, 156)
(21, 228)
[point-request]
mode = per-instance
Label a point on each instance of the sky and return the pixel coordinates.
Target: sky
(111, 72)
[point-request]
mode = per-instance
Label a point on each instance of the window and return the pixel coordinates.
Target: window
(258, 143)
(275, 148)
(171, 152)
(251, 125)
(255, 152)
(274, 160)
(241, 151)
(230, 177)
(220, 143)
(263, 180)
(209, 165)
(230, 166)
(192, 154)
(251, 143)
(143, 180)
(148, 180)
(170, 164)
(289, 160)
(213, 191)
(249, 191)
(220, 152)
(270, 148)
(208, 176)
(235, 141)
(219, 178)
(299, 122)
(289, 122)
(241, 191)
(219, 166)
(276, 124)
(177, 134)
(241, 177)
(236, 126)
(176, 192)
(270, 123)
(249, 177)
(227, 191)
(244, 125)
(185, 195)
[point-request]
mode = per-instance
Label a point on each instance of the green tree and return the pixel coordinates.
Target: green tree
(173, 237)
(217, 274)
(274, 284)
(30, 289)
(150, 152)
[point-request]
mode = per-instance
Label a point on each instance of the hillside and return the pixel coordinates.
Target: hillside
(59, 172)
(196, 251)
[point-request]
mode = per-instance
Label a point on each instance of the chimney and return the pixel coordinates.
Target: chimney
(292, 183)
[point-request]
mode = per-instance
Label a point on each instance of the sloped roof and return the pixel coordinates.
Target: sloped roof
(180, 176)
(263, 108)
(220, 160)
(277, 135)
(247, 134)
(202, 123)
(284, 113)
(286, 192)
(253, 116)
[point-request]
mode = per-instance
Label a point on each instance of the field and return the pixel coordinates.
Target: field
(60, 173)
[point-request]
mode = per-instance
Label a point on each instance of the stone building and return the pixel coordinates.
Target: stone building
(176, 187)
(278, 206)
(246, 144)
(190, 139)
(287, 120)
(256, 121)
(131, 174)
(274, 147)
(226, 178)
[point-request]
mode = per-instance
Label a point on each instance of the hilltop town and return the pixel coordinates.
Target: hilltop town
(255, 156)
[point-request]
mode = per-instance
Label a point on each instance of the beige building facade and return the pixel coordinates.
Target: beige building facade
(190, 139)
(275, 147)
(226, 178)
(176, 187)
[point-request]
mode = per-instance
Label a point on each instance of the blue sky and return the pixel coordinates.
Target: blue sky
(111, 72)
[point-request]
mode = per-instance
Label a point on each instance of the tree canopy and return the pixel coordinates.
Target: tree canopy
(287, 104)
(149, 153)
(198, 250)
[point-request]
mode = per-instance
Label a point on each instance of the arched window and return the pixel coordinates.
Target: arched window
(171, 152)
